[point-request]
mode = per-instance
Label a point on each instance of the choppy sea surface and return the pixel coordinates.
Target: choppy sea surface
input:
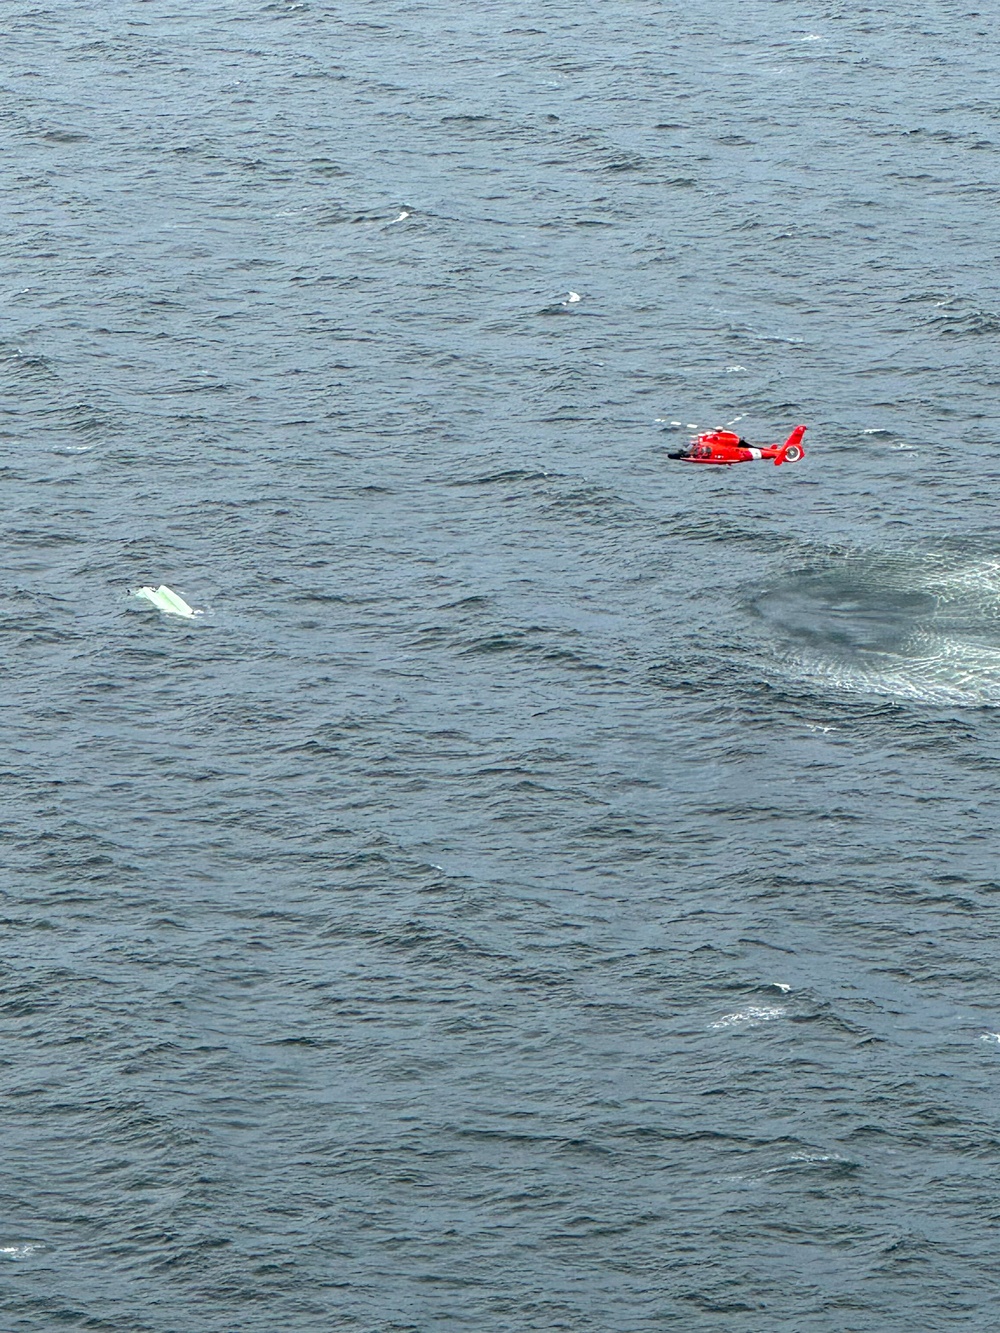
(548, 886)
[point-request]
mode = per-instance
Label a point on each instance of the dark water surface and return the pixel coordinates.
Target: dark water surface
(548, 887)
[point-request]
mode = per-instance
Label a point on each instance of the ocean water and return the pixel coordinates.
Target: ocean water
(548, 886)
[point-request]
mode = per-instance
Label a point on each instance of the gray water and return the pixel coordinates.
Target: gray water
(548, 887)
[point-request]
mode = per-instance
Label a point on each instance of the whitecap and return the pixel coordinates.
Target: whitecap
(17, 1251)
(798, 1160)
(750, 1017)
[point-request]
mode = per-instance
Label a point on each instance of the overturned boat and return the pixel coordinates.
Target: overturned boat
(166, 600)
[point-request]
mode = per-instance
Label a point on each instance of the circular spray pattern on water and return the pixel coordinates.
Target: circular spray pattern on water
(924, 627)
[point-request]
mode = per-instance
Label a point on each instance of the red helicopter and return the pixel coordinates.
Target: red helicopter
(720, 448)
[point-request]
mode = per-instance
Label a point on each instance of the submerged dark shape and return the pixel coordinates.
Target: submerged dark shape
(722, 448)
